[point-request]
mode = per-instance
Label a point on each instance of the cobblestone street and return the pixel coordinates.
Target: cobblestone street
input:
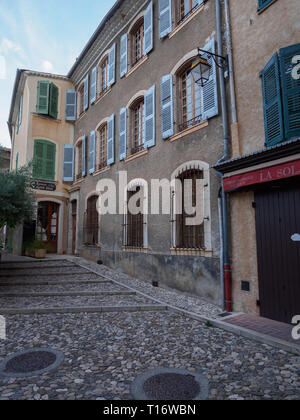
(105, 351)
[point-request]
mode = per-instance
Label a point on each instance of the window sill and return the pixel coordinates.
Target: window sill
(186, 21)
(136, 156)
(188, 131)
(192, 252)
(83, 114)
(46, 117)
(136, 66)
(102, 95)
(94, 246)
(101, 171)
(136, 250)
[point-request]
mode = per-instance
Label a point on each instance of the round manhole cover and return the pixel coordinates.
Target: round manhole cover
(31, 363)
(170, 384)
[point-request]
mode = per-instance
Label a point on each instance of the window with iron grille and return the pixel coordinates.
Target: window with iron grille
(102, 147)
(91, 226)
(79, 161)
(137, 124)
(191, 113)
(103, 75)
(137, 37)
(134, 228)
(185, 8)
(81, 100)
(189, 237)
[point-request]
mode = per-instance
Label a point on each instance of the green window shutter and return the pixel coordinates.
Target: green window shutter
(290, 91)
(272, 102)
(44, 160)
(43, 98)
(53, 103)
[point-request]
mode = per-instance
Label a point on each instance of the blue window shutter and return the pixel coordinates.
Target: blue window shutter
(111, 140)
(86, 93)
(209, 93)
(94, 85)
(149, 118)
(70, 105)
(167, 111)
(68, 163)
(112, 65)
(290, 90)
(123, 134)
(123, 55)
(92, 152)
(84, 156)
(148, 28)
(165, 18)
(272, 102)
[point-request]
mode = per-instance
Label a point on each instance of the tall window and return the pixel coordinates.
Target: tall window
(81, 99)
(186, 7)
(91, 221)
(189, 237)
(102, 147)
(79, 161)
(137, 127)
(135, 224)
(103, 75)
(190, 101)
(44, 160)
(138, 42)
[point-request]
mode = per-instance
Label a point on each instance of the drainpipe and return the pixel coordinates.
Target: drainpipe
(224, 245)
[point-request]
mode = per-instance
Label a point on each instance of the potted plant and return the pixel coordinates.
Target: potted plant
(36, 249)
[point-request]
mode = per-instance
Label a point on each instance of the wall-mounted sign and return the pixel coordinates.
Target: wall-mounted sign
(42, 186)
(274, 173)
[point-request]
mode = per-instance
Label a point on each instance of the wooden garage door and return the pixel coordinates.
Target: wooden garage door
(278, 235)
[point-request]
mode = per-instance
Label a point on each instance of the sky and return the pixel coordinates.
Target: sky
(43, 36)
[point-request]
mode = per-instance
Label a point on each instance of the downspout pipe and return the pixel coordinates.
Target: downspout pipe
(224, 222)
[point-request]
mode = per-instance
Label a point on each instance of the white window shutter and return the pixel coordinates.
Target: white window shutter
(94, 85)
(111, 140)
(70, 105)
(165, 18)
(68, 163)
(209, 93)
(149, 118)
(86, 93)
(167, 110)
(112, 65)
(123, 134)
(148, 28)
(123, 55)
(84, 156)
(92, 152)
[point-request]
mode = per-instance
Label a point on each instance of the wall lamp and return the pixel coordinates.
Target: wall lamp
(201, 69)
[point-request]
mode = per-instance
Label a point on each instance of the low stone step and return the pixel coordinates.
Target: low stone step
(42, 267)
(63, 288)
(51, 274)
(33, 262)
(70, 293)
(52, 282)
(83, 309)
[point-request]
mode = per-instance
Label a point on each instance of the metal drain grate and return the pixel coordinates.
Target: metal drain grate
(170, 385)
(31, 363)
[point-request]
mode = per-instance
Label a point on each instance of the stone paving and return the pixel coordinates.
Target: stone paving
(105, 352)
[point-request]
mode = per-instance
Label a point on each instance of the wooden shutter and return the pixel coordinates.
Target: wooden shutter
(209, 92)
(68, 163)
(84, 156)
(111, 140)
(290, 91)
(167, 112)
(123, 134)
(272, 102)
(38, 159)
(70, 105)
(165, 18)
(94, 85)
(44, 160)
(123, 55)
(50, 157)
(54, 92)
(92, 152)
(148, 29)
(149, 118)
(43, 98)
(86, 93)
(112, 65)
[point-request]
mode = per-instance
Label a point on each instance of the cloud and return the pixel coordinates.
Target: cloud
(2, 68)
(7, 46)
(47, 66)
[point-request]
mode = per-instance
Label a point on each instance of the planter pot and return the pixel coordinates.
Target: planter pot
(39, 254)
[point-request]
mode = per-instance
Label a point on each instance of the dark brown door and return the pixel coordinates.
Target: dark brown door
(278, 246)
(74, 234)
(47, 225)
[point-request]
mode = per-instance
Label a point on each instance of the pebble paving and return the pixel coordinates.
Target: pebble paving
(105, 352)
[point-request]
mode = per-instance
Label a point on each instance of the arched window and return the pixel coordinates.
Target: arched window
(91, 222)
(101, 153)
(137, 126)
(80, 99)
(137, 42)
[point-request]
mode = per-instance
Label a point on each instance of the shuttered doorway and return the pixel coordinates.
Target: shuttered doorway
(278, 247)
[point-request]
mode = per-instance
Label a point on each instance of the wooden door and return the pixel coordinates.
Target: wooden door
(47, 224)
